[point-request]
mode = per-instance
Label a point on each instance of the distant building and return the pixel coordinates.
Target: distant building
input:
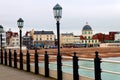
(3, 37)
(27, 40)
(12, 38)
(117, 37)
(66, 39)
(87, 37)
(107, 38)
(43, 39)
(85, 40)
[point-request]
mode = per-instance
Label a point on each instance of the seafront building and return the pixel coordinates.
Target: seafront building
(43, 39)
(87, 39)
(117, 37)
(46, 39)
(2, 32)
(27, 40)
(12, 38)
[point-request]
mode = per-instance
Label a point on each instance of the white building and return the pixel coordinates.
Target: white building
(117, 37)
(3, 36)
(15, 41)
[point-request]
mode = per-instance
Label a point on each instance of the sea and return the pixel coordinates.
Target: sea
(90, 73)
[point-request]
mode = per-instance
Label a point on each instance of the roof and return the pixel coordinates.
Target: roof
(67, 34)
(27, 33)
(43, 32)
(87, 27)
(81, 37)
(95, 37)
(15, 34)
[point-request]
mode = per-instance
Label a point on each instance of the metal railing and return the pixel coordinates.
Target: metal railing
(8, 57)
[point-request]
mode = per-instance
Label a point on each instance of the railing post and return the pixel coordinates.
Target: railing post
(21, 60)
(5, 57)
(1, 56)
(97, 66)
(59, 67)
(10, 56)
(15, 59)
(28, 61)
(75, 67)
(36, 62)
(46, 64)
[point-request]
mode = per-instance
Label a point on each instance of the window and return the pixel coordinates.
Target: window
(89, 41)
(36, 39)
(40, 39)
(51, 36)
(96, 41)
(82, 41)
(88, 37)
(13, 43)
(51, 39)
(88, 32)
(18, 39)
(17, 43)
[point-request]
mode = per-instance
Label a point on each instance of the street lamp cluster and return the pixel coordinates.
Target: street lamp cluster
(57, 9)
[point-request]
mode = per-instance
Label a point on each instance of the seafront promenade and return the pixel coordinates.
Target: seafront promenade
(10, 73)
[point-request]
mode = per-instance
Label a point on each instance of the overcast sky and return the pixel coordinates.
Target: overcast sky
(102, 15)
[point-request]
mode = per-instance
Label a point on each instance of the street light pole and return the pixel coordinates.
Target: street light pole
(20, 41)
(58, 35)
(20, 23)
(57, 15)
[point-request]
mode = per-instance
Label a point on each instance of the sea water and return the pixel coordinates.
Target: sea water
(89, 73)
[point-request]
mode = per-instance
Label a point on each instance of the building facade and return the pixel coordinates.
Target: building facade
(117, 37)
(43, 39)
(85, 40)
(66, 39)
(87, 37)
(12, 38)
(27, 40)
(2, 32)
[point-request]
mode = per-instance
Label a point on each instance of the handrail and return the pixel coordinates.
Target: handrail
(110, 61)
(86, 59)
(111, 72)
(66, 57)
(83, 67)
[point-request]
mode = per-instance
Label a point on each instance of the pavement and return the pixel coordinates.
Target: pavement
(10, 73)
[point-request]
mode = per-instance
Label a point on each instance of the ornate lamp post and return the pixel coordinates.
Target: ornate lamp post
(57, 9)
(20, 23)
